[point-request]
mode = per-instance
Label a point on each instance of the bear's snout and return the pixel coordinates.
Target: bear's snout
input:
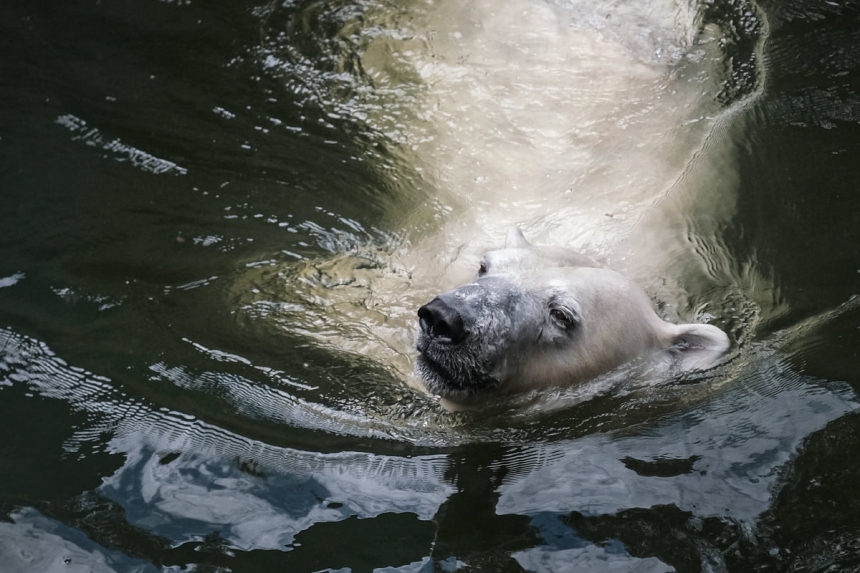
(442, 322)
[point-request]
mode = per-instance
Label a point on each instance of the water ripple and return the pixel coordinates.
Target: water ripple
(122, 151)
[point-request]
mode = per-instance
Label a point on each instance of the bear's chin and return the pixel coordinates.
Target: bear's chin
(440, 381)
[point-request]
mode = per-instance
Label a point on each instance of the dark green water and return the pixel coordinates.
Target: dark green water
(162, 408)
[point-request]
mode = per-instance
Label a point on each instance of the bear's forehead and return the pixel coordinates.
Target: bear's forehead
(532, 258)
(562, 283)
(542, 282)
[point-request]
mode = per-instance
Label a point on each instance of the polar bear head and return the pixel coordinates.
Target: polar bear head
(544, 316)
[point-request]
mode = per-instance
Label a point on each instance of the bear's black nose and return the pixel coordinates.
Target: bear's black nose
(441, 321)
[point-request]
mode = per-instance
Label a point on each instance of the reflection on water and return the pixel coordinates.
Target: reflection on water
(183, 478)
(32, 542)
(218, 221)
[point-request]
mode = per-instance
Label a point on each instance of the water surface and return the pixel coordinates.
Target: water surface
(218, 220)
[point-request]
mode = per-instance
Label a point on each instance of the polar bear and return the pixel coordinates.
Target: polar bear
(547, 316)
(595, 125)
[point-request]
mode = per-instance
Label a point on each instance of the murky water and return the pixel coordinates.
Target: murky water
(219, 219)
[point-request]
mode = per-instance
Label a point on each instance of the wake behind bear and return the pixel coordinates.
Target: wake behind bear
(537, 317)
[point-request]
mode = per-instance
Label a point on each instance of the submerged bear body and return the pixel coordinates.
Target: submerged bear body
(537, 317)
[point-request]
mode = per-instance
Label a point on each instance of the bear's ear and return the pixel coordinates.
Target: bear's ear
(697, 346)
(516, 239)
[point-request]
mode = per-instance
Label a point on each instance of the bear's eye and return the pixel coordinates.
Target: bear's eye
(562, 317)
(482, 269)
